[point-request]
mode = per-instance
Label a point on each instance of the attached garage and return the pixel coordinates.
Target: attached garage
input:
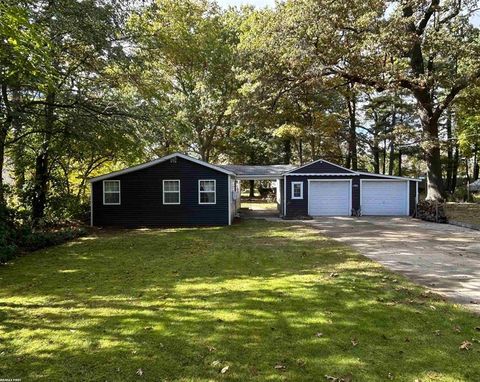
(329, 197)
(384, 197)
(322, 188)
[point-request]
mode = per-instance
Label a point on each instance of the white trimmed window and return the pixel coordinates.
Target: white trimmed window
(111, 192)
(207, 191)
(171, 191)
(297, 190)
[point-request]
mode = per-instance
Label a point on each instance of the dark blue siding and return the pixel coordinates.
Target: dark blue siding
(142, 204)
(321, 167)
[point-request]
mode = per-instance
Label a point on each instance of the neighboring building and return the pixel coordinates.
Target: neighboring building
(178, 190)
(475, 186)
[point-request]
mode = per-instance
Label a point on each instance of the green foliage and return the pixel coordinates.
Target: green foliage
(8, 245)
(185, 61)
(34, 240)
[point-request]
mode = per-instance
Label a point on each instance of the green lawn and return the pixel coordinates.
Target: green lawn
(273, 302)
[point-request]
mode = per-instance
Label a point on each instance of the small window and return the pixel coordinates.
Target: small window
(171, 192)
(207, 190)
(111, 192)
(297, 190)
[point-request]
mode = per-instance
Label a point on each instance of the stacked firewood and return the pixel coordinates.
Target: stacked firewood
(431, 211)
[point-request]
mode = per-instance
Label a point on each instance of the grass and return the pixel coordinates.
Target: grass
(260, 206)
(464, 212)
(273, 302)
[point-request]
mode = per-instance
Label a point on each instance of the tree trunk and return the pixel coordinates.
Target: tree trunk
(399, 162)
(40, 189)
(391, 158)
(435, 189)
(384, 154)
(476, 167)
(376, 157)
(287, 151)
(300, 151)
(352, 129)
(252, 189)
(3, 138)
(456, 158)
(448, 180)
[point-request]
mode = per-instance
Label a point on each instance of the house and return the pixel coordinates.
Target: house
(178, 190)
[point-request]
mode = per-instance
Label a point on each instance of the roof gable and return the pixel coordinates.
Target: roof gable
(157, 161)
(321, 166)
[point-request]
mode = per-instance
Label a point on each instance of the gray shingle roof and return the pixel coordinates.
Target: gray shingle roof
(270, 170)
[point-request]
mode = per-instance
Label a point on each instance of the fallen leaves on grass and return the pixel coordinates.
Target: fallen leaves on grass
(280, 366)
(466, 345)
(346, 378)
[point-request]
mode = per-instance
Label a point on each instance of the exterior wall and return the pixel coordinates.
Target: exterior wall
(299, 207)
(321, 167)
(142, 198)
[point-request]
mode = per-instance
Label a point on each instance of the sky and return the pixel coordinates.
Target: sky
(257, 3)
(264, 3)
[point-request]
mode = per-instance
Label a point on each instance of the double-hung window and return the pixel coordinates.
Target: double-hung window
(297, 190)
(171, 192)
(207, 191)
(111, 192)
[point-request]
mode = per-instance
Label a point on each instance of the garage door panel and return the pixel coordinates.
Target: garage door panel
(329, 198)
(384, 198)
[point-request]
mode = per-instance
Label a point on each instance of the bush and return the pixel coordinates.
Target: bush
(41, 239)
(7, 234)
(16, 234)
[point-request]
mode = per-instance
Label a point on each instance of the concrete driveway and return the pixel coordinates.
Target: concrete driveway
(443, 257)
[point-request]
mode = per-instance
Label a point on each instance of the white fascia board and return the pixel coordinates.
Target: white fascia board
(388, 176)
(321, 174)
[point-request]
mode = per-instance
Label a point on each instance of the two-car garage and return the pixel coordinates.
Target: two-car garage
(380, 197)
(322, 188)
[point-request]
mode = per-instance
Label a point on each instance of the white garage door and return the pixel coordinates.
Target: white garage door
(381, 197)
(329, 198)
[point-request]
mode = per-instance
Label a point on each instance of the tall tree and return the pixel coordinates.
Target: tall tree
(185, 54)
(428, 48)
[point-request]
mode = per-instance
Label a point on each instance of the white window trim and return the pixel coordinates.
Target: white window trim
(171, 192)
(214, 191)
(293, 190)
(112, 192)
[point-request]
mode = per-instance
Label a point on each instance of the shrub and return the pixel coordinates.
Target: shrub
(41, 239)
(16, 234)
(7, 234)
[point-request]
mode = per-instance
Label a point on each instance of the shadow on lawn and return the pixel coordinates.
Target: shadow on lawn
(181, 305)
